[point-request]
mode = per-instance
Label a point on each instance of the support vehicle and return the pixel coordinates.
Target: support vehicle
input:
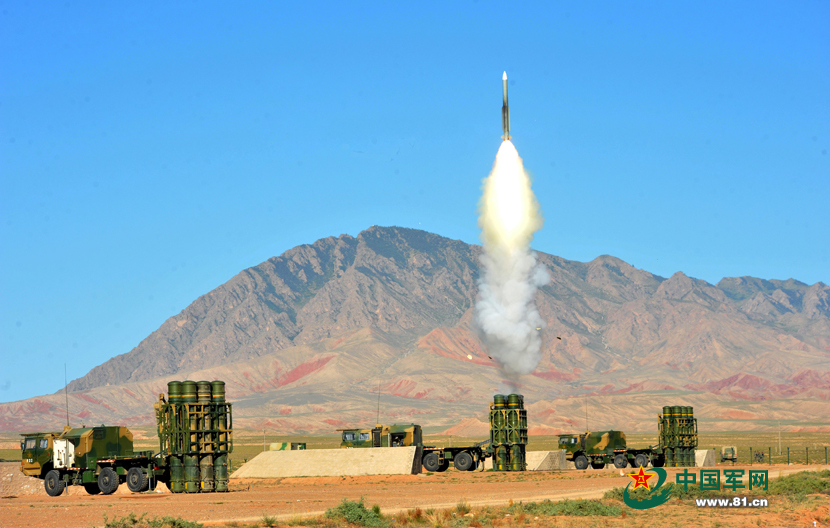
(599, 448)
(464, 458)
(97, 458)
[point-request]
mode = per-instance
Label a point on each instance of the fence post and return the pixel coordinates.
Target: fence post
(750, 455)
(770, 456)
(825, 455)
(808, 456)
(788, 456)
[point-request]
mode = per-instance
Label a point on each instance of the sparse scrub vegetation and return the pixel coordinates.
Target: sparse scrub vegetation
(356, 513)
(131, 521)
(579, 508)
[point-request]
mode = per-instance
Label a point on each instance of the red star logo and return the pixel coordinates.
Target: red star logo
(641, 479)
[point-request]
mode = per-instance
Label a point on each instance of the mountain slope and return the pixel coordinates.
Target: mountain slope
(305, 339)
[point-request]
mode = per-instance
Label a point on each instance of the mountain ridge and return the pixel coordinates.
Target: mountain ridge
(329, 322)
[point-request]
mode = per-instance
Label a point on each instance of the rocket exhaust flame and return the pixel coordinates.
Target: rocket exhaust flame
(505, 310)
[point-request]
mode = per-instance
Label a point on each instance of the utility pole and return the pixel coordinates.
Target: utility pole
(586, 414)
(779, 437)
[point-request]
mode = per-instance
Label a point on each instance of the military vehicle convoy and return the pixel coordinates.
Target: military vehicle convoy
(508, 438)
(195, 436)
(677, 428)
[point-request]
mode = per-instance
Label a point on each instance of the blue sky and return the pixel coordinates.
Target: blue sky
(149, 151)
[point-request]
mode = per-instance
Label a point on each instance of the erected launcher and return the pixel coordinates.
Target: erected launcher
(195, 429)
(678, 435)
(508, 432)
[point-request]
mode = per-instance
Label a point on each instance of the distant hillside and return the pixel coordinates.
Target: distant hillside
(304, 340)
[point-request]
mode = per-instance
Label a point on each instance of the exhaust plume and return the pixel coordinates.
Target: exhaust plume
(505, 311)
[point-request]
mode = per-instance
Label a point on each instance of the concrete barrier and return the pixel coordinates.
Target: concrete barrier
(332, 463)
(705, 458)
(545, 460)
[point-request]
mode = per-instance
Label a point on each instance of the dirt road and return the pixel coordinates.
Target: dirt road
(289, 497)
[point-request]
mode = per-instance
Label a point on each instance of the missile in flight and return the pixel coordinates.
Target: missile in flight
(505, 109)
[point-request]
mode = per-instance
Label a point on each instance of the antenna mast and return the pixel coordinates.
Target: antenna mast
(66, 393)
(377, 420)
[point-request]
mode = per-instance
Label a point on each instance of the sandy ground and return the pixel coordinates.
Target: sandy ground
(26, 503)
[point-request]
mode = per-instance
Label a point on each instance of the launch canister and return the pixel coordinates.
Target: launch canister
(505, 109)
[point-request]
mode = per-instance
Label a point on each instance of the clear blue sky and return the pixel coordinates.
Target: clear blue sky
(149, 152)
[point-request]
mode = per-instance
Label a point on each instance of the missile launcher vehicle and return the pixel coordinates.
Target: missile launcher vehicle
(677, 432)
(195, 433)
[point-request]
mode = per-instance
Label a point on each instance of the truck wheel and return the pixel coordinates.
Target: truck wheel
(640, 460)
(432, 462)
(107, 481)
(92, 488)
(597, 465)
(581, 462)
(136, 480)
(53, 483)
(463, 461)
(620, 461)
(444, 465)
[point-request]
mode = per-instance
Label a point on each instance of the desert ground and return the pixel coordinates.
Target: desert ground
(298, 501)
(292, 499)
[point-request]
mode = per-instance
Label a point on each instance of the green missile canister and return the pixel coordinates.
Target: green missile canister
(189, 391)
(218, 391)
(501, 458)
(174, 392)
(203, 390)
(176, 474)
(191, 474)
(220, 472)
(206, 473)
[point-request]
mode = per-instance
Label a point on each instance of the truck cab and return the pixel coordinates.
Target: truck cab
(37, 449)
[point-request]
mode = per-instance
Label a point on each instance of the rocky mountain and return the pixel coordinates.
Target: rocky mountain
(305, 341)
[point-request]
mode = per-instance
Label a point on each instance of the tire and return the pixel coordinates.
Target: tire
(92, 488)
(107, 481)
(432, 462)
(444, 465)
(53, 483)
(463, 461)
(640, 460)
(136, 480)
(620, 461)
(581, 462)
(598, 465)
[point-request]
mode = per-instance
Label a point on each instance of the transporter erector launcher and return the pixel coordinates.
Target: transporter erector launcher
(505, 109)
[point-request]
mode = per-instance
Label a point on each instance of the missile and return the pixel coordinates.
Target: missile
(505, 109)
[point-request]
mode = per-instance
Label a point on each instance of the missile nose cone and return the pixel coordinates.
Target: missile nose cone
(504, 77)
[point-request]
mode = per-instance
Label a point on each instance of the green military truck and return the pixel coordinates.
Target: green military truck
(599, 448)
(465, 458)
(395, 435)
(98, 458)
(729, 454)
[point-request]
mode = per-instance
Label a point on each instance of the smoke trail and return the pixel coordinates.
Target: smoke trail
(505, 311)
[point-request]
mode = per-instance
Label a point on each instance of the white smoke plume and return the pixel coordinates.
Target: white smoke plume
(505, 311)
